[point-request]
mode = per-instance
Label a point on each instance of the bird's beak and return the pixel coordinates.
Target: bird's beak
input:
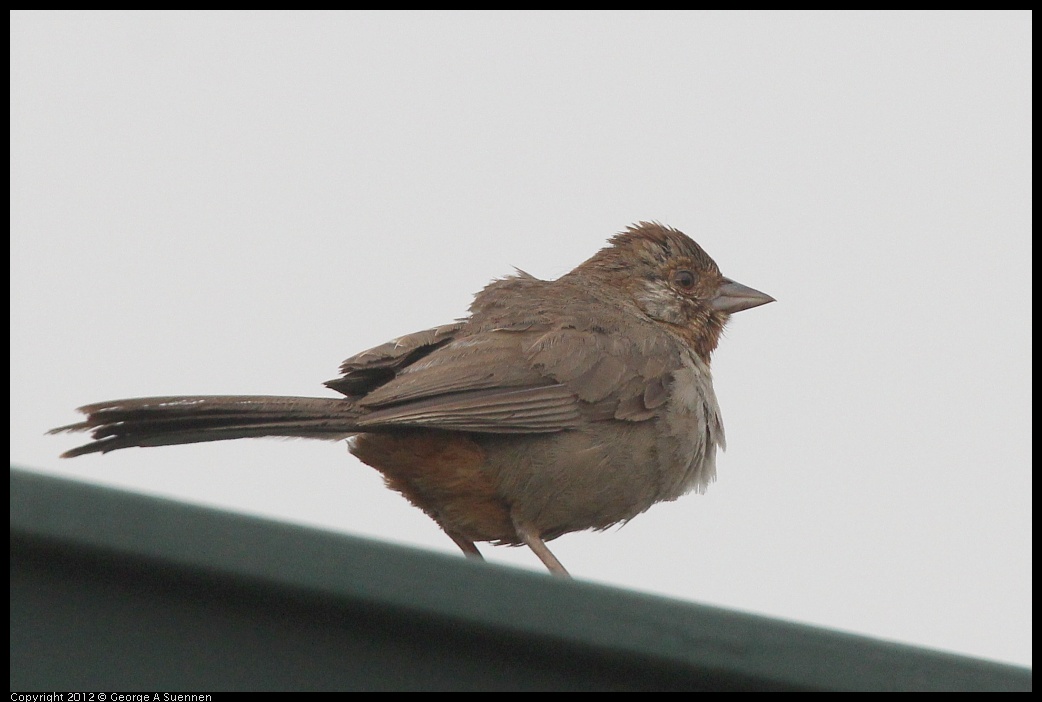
(734, 297)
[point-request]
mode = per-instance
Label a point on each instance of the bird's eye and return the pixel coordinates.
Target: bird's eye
(684, 279)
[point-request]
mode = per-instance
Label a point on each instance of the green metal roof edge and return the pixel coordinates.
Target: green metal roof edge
(496, 600)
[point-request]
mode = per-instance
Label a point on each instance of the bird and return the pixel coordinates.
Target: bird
(554, 406)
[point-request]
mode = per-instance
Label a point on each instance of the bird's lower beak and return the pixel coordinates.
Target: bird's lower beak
(734, 297)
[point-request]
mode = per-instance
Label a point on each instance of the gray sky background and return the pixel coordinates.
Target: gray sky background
(236, 202)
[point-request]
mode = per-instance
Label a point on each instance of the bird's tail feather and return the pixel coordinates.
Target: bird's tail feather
(163, 421)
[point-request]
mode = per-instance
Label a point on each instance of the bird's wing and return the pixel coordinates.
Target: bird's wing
(479, 382)
(368, 370)
(617, 376)
(527, 379)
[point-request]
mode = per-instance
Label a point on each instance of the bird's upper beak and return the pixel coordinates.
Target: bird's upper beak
(734, 297)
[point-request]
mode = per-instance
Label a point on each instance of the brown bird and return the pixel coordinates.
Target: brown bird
(556, 406)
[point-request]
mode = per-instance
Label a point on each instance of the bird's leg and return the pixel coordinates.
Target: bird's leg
(466, 545)
(534, 542)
